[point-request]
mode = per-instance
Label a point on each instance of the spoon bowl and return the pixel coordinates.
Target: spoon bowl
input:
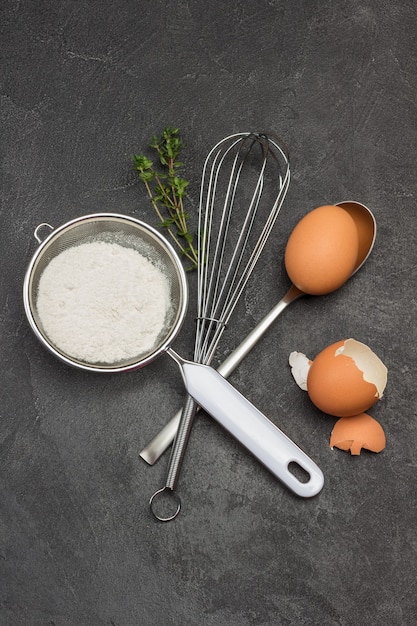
(366, 226)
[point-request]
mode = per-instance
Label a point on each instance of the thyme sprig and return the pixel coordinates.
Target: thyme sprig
(167, 189)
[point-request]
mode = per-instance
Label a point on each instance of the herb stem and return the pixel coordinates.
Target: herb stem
(166, 190)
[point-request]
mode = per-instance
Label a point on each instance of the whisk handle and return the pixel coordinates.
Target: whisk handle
(162, 440)
(249, 426)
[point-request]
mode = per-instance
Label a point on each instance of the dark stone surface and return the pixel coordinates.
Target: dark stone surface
(84, 85)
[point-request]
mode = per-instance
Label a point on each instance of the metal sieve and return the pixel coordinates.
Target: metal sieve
(204, 384)
(125, 231)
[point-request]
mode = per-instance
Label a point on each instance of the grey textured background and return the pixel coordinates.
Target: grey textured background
(84, 85)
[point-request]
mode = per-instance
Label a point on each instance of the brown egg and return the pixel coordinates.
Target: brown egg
(357, 432)
(346, 379)
(322, 250)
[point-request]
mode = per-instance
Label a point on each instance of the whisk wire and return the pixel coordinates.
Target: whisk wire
(220, 298)
(206, 210)
(219, 286)
(215, 260)
(208, 279)
(221, 280)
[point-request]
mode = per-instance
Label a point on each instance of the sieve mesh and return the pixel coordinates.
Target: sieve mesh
(124, 231)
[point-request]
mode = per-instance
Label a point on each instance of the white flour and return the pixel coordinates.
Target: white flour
(102, 303)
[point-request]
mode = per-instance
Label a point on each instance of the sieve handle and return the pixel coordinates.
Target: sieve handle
(249, 426)
(39, 228)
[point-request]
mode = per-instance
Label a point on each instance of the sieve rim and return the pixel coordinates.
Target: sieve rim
(173, 331)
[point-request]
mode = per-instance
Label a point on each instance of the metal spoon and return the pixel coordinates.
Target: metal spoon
(366, 226)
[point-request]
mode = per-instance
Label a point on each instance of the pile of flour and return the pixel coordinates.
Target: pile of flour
(101, 302)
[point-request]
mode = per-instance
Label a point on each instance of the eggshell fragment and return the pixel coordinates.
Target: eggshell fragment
(357, 432)
(346, 379)
(322, 250)
(300, 366)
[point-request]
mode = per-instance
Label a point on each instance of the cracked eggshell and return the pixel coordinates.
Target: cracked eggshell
(346, 379)
(357, 432)
(322, 250)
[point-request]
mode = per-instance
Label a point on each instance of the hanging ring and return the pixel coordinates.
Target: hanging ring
(157, 496)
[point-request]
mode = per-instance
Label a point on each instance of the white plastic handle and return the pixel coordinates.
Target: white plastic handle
(255, 431)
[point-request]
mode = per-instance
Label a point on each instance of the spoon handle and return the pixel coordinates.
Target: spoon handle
(152, 452)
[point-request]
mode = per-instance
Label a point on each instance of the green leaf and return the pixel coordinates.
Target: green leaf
(168, 222)
(141, 162)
